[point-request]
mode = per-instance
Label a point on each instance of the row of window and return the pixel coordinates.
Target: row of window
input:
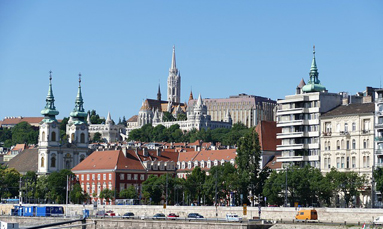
(340, 144)
(129, 176)
(344, 162)
(98, 176)
(202, 164)
(366, 126)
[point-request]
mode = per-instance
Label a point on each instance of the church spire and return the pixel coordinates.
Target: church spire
(191, 95)
(159, 93)
(49, 110)
(313, 84)
(173, 67)
(78, 111)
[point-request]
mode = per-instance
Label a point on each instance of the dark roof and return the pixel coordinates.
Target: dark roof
(133, 118)
(356, 108)
(267, 133)
(25, 161)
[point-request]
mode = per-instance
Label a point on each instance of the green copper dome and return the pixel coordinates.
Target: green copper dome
(49, 110)
(313, 85)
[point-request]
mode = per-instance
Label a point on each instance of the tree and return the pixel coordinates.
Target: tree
(151, 191)
(129, 193)
(97, 137)
(248, 163)
(95, 118)
(76, 194)
(63, 124)
(181, 117)
(167, 117)
(57, 183)
(9, 182)
(23, 132)
(107, 194)
(194, 184)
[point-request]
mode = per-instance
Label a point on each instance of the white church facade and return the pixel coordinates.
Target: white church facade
(54, 154)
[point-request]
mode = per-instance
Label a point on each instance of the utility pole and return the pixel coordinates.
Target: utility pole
(373, 185)
(66, 193)
(166, 200)
(216, 203)
(20, 193)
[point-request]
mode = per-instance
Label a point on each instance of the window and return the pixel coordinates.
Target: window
(142, 177)
(346, 127)
(337, 144)
(338, 162)
(98, 176)
(42, 162)
(368, 161)
(347, 144)
(353, 162)
(329, 163)
(366, 124)
(342, 162)
(364, 144)
(348, 162)
(135, 177)
(110, 176)
(338, 127)
(342, 144)
(353, 126)
(82, 177)
(122, 176)
(82, 138)
(53, 138)
(87, 176)
(53, 162)
(129, 176)
(353, 144)
(104, 176)
(43, 136)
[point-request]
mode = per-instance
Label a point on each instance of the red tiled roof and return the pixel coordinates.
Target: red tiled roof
(187, 156)
(196, 143)
(111, 159)
(19, 147)
(165, 155)
(134, 118)
(273, 164)
(212, 155)
(17, 120)
(267, 132)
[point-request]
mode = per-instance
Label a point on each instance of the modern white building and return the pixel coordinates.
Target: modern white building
(299, 117)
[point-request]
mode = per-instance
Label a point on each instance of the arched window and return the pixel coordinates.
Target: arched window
(82, 158)
(364, 144)
(72, 137)
(53, 138)
(82, 138)
(353, 126)
(342, 144)
(43, 136)
(42, 162)
(53, 162)
(337, 144)
(353, 144)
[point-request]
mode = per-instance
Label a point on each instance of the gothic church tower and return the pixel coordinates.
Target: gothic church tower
(174, 81)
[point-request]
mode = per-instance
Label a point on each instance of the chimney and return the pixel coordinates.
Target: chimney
(124, 150)
(158, 152)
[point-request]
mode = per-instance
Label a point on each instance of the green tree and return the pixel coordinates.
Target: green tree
(248, 163)
(107, 194)
(23, 133)
(129, 193)
(97, 137)
(95, 118)
(194, 184)
(76, 195)
(57, 183)
(63, 136)
(9, 182)
(167, 117)
(181, 117)
(150, 190)
(5, 134)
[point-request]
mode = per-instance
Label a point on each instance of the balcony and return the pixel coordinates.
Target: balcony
(379, 113)
(290, 147)
(379, 152)
(290, 123)
(290, 158)
(378, 139)
(379, 125)
(289, 135)
(365, 131)
(379, 100)
(326, 134)
(298, 110)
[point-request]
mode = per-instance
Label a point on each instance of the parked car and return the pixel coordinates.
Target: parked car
(110, 213)
(101, 214)
(378, 220)
(128, 215)
(173, 216)
(159, 216)
(194, 216)
(233, 218)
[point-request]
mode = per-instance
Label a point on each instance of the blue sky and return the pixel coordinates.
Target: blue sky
(123, 50)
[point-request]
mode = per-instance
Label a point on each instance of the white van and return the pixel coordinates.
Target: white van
(231, 217)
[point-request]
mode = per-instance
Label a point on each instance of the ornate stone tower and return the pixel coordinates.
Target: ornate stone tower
(77, 127)
(49, 132)
(174, 81)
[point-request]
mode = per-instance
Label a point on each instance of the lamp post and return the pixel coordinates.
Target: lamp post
(286, 189)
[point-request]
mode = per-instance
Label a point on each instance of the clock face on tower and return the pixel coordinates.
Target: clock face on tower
(54, 125)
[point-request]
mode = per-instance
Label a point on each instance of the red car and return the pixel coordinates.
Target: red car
(173, 216)
(110, 213)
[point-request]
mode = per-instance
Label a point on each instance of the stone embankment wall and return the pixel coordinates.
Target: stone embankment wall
(351, 215)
